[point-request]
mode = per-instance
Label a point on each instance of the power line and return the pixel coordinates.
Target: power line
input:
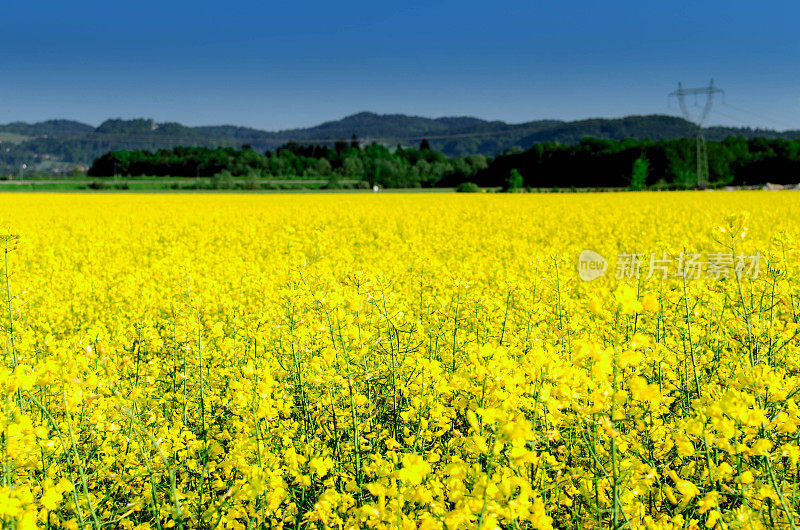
(731, 117)
(724, 115)
(709, 92)
(282, 140)
(760, 116)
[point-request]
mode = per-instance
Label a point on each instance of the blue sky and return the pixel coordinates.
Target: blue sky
(277, 65)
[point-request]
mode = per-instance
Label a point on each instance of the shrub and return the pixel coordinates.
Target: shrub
(223, 181)
(468, 187)
(251, 181)
(333, 183)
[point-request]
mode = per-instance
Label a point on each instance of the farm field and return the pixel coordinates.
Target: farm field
(158, 184)
(11, 138)
(400, 360)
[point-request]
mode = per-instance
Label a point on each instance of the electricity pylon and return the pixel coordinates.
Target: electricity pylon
(702, 154)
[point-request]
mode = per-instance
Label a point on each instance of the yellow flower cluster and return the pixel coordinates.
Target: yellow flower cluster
(426, 361)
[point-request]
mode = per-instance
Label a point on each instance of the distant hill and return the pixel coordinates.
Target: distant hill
(369, 124)
(59, 144)
(50, 128)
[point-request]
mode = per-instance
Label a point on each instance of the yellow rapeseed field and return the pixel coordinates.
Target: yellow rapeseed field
(400, 361)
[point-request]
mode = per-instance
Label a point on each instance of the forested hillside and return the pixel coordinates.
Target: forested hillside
(58, 145)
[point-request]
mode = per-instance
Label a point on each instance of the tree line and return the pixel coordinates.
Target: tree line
(374, 163)
(592, 163)
(597, 163)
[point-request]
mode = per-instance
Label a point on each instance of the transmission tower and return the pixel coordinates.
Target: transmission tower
(698, 121)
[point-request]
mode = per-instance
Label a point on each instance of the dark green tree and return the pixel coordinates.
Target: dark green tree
(514, 183)
(639, 175)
